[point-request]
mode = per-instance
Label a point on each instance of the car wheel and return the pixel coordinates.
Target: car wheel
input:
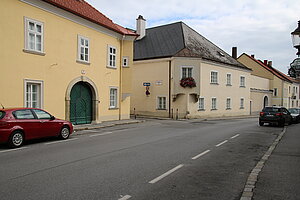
(64, 133)
(16, 139)
(261, 123)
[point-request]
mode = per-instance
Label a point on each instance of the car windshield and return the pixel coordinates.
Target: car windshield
(271, 109)
(2, 113)
(294, 111)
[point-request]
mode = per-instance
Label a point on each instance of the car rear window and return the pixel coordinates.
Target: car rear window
(2, 113)
(270, 109)
(294, 111)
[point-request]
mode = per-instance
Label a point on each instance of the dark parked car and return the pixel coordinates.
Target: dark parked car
(20, 124)
(275, 115)
(295, 112)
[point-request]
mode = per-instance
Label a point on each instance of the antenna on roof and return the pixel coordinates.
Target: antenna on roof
(2, 105)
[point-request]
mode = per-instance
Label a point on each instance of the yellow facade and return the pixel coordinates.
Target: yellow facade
(164, 76)
(57, 68)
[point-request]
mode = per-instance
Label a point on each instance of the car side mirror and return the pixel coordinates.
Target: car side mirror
(52, 118)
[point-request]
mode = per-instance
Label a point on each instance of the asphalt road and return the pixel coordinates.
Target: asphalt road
(158, 159)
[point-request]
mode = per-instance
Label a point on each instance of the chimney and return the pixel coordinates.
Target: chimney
(253, 56)
(141, 27)
(234, 52)
(266, 62)
(270, 63)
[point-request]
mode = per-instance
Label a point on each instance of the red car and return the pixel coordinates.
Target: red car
(20, 124)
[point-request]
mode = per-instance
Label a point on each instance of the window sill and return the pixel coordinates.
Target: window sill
(113, 108)
(213, 109)
(242, 108)
(214, 83)
(161, 109)
(228, 85)
(34, 52)
(201, 110)
(228, 108)
(83, 62)
(242, 86)
(110, 67)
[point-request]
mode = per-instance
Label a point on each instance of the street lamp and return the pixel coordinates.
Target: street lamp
(296, 38)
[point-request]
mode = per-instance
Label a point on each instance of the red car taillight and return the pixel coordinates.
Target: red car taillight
(279, 114)
(261, 113)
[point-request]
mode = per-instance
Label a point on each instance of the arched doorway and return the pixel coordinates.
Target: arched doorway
(266, 101)
(81, 105)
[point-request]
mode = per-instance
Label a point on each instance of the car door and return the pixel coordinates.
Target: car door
(287, 115)
(26, 120)
(48, 125)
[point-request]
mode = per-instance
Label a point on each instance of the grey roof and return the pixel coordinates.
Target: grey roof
(179, 40)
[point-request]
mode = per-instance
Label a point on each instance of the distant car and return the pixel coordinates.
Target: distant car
(295, 112)
(275, 115)
(20, 124)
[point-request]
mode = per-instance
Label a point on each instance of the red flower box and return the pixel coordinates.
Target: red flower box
(187, 82)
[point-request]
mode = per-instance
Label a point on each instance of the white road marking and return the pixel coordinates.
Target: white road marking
(201, 154)
(166, 174)
(237, 135)
(125, 197)
(99, 134)
(10, 150)
(221, 143)
(68, 140)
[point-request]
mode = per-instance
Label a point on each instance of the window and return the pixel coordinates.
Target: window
(214, 103)
(186, 72)
(112, 55)
(23, 114)
(275, 92)
(228, 103)
(201, 103)
(42, 114)
(161, 103)
(214, 77)
(113, 98)
(83, 49)
(242, 81)
(33, 94)
(125, 61)
(228, 79)
(34, 35)
(242, 103)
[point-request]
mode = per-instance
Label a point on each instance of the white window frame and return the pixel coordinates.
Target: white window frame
(40, 96)
(242, 83)
(242, 103)
(164, 107)
(229, 80)
(113, 103)
(214, 80)
(125, 61)
(228, 103)
(214, 102)
(191, 68)
(84, 46)
(35, 33)
(201, 103)
(111, 63)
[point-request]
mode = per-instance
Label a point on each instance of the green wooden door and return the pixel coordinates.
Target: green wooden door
(81, 104)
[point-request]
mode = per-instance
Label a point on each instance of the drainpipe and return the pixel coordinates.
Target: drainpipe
(120, 78)
(282, 92)
(170, 77)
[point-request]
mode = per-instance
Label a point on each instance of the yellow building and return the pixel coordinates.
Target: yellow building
(65, 57)
(180, 74)
(279, 83)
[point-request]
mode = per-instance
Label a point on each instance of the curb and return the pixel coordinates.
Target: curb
(248, 191)
(106, 126)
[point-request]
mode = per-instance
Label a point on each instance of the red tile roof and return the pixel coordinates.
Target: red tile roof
(274, 71)
(85, 10)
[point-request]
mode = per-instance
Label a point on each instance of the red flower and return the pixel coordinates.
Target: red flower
(188, 82)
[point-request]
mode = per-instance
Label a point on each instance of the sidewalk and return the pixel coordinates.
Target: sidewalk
(106, 124)
(280, 177)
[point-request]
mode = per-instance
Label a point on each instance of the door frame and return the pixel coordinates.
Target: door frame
(95, 98)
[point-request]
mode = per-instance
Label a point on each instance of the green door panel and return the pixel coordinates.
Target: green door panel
(81, 104)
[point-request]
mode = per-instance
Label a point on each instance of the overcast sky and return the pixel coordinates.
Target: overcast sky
(259, 27)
